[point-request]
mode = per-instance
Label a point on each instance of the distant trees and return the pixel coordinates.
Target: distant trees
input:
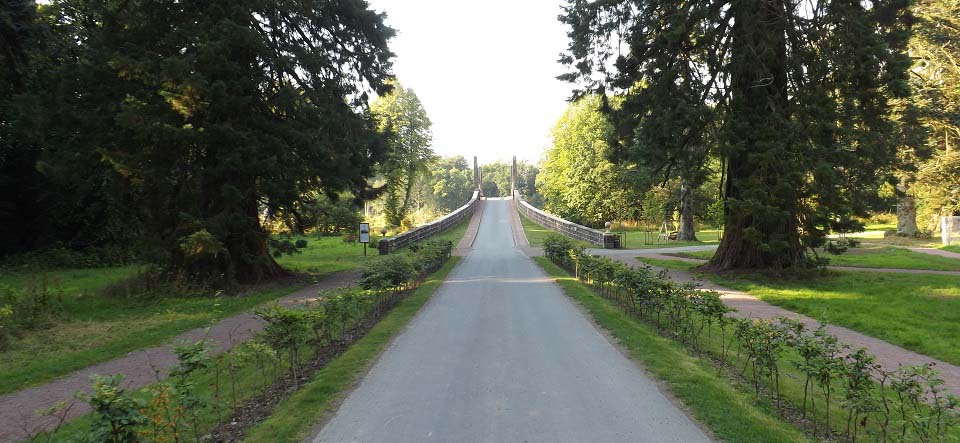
(496, 179)
(795, 96)
(451, 183)
(403, 121)
(199, 115)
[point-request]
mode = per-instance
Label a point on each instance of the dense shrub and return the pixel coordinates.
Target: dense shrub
(301, 243)
(33, 307)
(59, 257)
(558, 249)
(877, 404)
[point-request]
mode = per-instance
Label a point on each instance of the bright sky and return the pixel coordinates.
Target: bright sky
(485, 72)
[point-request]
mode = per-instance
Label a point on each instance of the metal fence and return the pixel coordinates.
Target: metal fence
(428, 230)
(570, 229)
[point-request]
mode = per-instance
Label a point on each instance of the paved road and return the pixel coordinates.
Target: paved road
(500, 354)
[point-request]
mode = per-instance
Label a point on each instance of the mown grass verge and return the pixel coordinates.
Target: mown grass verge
(730, 413)
(919, 312)
(294, 417)
(873, 257)
(96, 328)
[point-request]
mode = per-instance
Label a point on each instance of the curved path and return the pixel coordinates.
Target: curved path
(501, 354)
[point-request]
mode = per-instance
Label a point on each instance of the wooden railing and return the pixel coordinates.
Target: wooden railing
(570, 229)
(428, 230)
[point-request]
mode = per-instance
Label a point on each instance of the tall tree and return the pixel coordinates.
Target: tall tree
(216, 110)
(401, 118)
(577, 181)
(796, 91)
(935, 49)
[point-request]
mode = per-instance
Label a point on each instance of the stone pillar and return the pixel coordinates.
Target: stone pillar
(513, 177)
(476, 173)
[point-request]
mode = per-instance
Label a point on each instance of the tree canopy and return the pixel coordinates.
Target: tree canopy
(796, 93)
(203, 113)
(577, 180)
(403, 121)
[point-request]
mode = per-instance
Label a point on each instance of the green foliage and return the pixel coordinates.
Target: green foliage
(577, 180)
(197, 116)
(794, 98)
(396, 271)
(451, 183)
(842, 378)
(496, 180)
(404, 122)
(295, 415)
(35, 306)
(731, 414)
(558, 249)
(116, 413)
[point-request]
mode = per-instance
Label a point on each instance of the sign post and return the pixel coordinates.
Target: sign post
(364, 236)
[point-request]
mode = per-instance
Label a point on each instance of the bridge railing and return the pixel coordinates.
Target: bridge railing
(570, 229)
(422, 232)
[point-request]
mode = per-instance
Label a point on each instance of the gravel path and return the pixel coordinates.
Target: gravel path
(888, 355)
(935, 251)
(18, 418)
(501, 354)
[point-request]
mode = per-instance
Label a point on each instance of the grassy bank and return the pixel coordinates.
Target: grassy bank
(731, 413)
(651, 239)
(294, 417)
(874, 257)
(95, 327)
(920, 312)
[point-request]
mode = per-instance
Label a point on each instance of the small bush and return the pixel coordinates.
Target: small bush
(301, 243)
(558, 249)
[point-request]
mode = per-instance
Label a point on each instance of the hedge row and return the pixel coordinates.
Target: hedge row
(837, 392)
(180, 409)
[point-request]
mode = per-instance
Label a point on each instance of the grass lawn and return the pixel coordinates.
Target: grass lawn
(296, 415)
(732, 414)
(918, 312)
(669, 264)
(951, 248)
(536, 233)
(873, 256)
(95, 328)
(648, 240)
(325, 255)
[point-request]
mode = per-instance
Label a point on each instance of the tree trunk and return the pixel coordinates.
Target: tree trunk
(760, 206)
(687, 231)
(907, 213)
(250, 257)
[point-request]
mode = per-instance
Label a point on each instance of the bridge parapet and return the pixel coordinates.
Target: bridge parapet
(570, 229)
(422, 232)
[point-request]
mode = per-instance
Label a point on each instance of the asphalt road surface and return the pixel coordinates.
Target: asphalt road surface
(500, 354)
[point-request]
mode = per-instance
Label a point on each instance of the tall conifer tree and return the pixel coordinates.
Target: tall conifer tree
(796, 93)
